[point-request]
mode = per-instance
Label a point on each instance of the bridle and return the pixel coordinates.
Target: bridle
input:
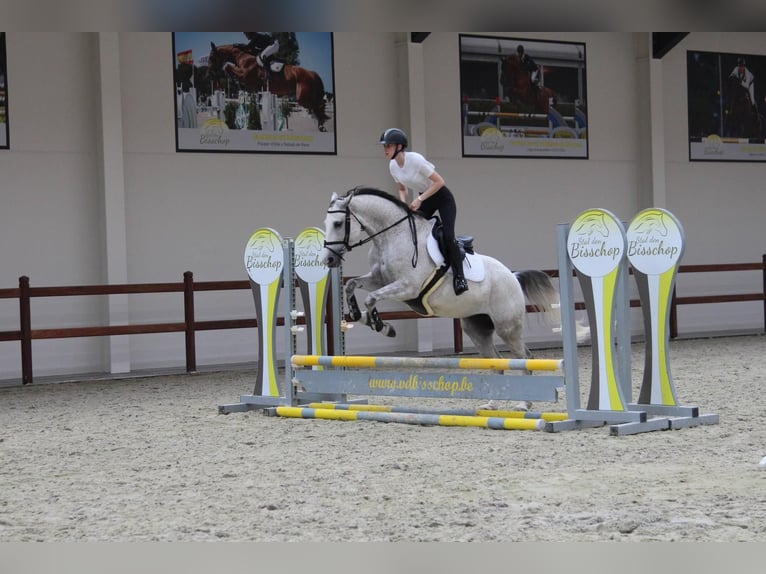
(409, 217)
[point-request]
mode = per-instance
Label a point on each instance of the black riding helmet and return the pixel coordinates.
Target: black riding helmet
(394, 136)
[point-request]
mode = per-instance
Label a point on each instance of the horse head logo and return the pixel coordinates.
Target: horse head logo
(593, 223)
(652, 224)
(310, 239)
(264, 243)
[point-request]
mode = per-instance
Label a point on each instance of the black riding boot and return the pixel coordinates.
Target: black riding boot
(458, 279)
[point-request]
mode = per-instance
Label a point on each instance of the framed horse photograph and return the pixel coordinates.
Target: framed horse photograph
(726, 105)
(254, 92)
(4, 131)
(523, 97)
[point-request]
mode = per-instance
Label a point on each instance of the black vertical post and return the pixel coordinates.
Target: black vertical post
(25, 325)
(763, 270)
(457, 335)
(191, 351)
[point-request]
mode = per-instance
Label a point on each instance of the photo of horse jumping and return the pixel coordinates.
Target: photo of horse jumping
(518, 87)
(305, 85)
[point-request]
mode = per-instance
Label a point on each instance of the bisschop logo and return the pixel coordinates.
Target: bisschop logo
(596, 242)
(655, 241)
(308, 247)
(713, 145)
(214, 132)
(264, 257)
(491, 138)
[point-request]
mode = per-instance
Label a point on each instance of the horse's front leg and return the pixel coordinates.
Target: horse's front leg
(398, 291)
(368, 282)
(351, 285)
(235, 71)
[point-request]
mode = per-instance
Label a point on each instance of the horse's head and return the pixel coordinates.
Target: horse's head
(336, 229)
(219, 56)
(214, 62)
(374, 213)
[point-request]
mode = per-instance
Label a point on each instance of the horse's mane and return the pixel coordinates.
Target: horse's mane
(363, 190)
(229, 47)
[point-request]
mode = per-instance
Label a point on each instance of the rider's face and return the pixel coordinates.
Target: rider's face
(389, 150)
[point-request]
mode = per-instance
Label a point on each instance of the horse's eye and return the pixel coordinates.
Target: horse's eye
(336, 224)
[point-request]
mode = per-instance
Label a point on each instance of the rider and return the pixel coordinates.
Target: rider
(746, 79)
(411, 170)
(529, 65)
(264, 46)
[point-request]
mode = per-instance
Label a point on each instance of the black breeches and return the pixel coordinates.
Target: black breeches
(444, 202)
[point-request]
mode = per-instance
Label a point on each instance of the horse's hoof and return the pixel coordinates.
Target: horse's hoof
(391, 332)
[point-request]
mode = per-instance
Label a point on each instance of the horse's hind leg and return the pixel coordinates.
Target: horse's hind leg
(481, 330)
(512, 334)
(318, 114)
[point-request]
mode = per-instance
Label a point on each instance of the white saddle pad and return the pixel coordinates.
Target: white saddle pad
(473, 266)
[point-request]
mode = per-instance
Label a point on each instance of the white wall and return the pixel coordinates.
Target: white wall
(49, 214)
(195, 211)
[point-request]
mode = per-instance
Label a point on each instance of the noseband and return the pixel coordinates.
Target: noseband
(370, 236)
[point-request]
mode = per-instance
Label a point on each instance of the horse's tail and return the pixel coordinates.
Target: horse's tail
(544, 297)
(539, 290)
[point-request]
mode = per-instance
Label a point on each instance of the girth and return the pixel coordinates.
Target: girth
(420, 303)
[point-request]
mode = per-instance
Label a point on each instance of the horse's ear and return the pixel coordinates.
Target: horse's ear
(212, 46)
(334, 197)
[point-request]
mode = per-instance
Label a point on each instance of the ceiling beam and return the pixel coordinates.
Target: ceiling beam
(663, 42)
